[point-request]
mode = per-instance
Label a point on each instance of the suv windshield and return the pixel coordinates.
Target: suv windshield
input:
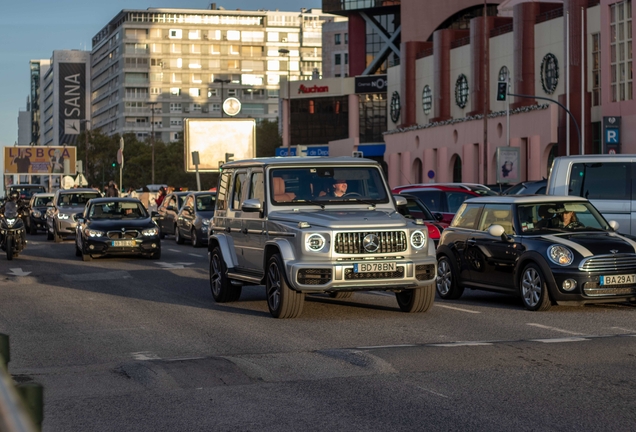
(323, 185)
(559, 216)
(77, 199)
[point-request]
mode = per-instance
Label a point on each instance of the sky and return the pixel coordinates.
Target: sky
(33, 29)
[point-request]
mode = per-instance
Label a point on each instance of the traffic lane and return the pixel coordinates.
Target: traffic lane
(510, 385)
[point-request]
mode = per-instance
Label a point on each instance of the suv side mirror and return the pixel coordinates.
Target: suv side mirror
(400, 200)
(252, 205)
(438, 216)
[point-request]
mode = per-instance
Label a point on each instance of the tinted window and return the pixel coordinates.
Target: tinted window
(456, 199)
(238, 190)
(205, 202)
(417, 211)
(77, 199)
(117, 210)
(466, 216)
(41, 201)
(431, 199)
(559, 216)
(608, 181)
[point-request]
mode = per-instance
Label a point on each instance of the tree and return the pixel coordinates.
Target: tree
(267, 138)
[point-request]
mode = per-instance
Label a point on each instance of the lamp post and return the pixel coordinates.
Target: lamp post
(152, 137)
(222, 81)
(285, 53)
(85, 121)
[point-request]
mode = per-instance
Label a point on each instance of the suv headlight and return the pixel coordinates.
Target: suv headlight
(560, 255)
(418, 239)
(94, 233)
(315, 242)
(62, 216)
(150, 232)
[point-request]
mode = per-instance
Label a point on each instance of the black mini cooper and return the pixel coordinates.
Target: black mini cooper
(116, 226)
(546, 249)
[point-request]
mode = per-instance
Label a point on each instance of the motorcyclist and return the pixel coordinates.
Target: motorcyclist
(12, 207)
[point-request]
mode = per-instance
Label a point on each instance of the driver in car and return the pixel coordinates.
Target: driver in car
(568, 219)
(338, 190)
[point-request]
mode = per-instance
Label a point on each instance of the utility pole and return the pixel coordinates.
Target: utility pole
(285, 53)
(86, 121)
(485, 92)
(222, 81)
(152, 138)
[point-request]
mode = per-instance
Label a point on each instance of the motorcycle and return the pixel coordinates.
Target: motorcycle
(12, 232)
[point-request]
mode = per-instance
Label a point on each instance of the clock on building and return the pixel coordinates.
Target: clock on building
(231, 106)
(461, 91)
(549, 73)
(395, 107)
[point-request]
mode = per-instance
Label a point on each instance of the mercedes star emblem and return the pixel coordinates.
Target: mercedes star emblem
(371, 243)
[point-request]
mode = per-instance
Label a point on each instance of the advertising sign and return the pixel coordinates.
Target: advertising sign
(371, 84)
(611, 135)
(40, 160)
(72, 100)
(508, 164)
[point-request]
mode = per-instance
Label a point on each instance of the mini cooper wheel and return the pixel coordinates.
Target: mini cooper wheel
(220, 284)
(282, 301)
(32, 229)
(177, 235)
(416, 300)
(341, 295)
(446, 283)
(533, 288)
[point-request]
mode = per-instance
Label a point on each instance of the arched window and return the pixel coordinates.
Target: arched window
(457, 169)
(416, 171)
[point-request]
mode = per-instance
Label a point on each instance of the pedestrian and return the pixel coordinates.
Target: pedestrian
(132, 193)
(112, 190)
(162, 195)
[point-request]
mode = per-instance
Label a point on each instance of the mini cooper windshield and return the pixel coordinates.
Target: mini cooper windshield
(326, 185)
(560, 216)
(117, 210)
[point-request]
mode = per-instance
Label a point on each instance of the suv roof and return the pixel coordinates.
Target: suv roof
(302, 160)
(401, 189)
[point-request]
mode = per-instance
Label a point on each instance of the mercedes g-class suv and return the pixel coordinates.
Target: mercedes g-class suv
(315, 225)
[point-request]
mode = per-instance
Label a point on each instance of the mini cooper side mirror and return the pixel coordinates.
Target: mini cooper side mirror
(614, 225)
(252, 205)
(50, 204)
(496, 230)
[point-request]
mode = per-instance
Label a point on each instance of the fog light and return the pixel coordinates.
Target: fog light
(569, 284)
(154, 245)
(91, 247)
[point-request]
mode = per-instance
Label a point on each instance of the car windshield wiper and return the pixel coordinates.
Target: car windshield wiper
(354, 199)
(318, 203)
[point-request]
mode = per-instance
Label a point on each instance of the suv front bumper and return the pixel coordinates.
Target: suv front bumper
(326, 277)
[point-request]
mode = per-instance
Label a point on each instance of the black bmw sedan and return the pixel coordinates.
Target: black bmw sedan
(546, 249)
(116, 226)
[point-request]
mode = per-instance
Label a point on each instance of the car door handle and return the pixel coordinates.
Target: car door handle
(244, 230)
(228, 229)
(471, 241)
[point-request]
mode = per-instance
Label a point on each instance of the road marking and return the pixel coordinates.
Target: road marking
(18, 272)
(195, 255)
(386, 346)
(172, 266)
(145, 355)
(559, 340)
(554, 329)
(174, 250)
(432, 392)
(624, 329)
(460, 344)
(457, 309)
(97, 276)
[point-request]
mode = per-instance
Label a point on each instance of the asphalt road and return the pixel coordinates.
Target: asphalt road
(132, 344)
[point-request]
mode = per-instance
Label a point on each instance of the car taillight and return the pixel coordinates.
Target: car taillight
(433, 232)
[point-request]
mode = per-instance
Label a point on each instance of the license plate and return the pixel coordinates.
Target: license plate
(123, 243)
(618, 279)
(374, 267)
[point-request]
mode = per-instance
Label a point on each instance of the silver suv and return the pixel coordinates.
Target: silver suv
(60, 213)
(315, 225)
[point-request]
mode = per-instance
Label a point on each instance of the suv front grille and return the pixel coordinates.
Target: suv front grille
(116, 235)
(609, 263)
(397, 274)
(352, 242)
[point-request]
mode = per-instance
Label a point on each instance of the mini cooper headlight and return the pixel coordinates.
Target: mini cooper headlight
(150, 232)
(94, 233)
(37, 213)
(315, 242)
(418, 239)
(560, 255)
(62, 216)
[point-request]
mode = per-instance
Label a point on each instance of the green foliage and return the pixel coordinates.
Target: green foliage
(267, 138)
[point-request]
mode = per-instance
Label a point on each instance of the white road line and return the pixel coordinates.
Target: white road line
(456, 308)
(145, 355)
(174, 250)
(624, 329)
(432, 392)
(554, 329)
(386, 346)
(559, 340)
(195, 255)
(460, 344)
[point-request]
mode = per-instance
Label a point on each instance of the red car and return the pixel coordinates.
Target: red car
(415, 209)
(438, 199)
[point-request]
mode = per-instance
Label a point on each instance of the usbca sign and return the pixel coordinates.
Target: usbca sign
(40, 160)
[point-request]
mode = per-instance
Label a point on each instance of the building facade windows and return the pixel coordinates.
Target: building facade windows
(337, 39)
(596, 69)
(621, 51)
(337, 59)
(427, 99)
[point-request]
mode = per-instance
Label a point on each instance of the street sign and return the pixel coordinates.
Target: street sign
(120, 157)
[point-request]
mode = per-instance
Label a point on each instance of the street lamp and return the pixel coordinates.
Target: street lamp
(222, 81)
(86, 144)
(285, 53)
(152, 137)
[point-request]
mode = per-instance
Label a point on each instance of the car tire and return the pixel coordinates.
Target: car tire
(446, 284)
(87, 257)
(49, 234)
(9, 246)
(156, 255)
(416, 300)
(177, 235)
(220, 284)
(282, 301)
(32, 229)
(196, 241)
(341, 295)
(56, 237)
(534, 289)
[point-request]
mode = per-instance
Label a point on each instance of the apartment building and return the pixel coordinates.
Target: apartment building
(152, 68)
(335, 48)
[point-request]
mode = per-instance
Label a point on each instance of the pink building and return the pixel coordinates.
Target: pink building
(448, 77)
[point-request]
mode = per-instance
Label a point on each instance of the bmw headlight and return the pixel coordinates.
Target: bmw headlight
(37, 213)
(560, 255)
(315, 242)
(62, 216)
(418, 239)
(94, 233)
(150, 231)
(10, 222)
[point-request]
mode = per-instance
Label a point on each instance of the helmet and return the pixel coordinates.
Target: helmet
(14, 195)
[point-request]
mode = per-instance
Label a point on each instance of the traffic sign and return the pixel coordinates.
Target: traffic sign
(120, 157)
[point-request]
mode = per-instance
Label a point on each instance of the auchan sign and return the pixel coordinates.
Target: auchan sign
(315, 89)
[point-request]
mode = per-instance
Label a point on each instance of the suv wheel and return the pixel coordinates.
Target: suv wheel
(447, 286)
(196, 242)
(177, 235)
(534, 290)
(220, 284)
(282, 301)
(416, 300)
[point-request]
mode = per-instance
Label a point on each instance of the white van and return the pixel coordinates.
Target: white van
(606, 180)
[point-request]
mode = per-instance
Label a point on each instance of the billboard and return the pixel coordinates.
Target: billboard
(72, 100)
(213, 138)
(508, 164)
(27, 160)
(371, 84)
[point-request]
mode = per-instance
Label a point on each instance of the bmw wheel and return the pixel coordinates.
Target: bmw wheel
(282, 301)
(534, 290)
(196, 241)
(177, 235)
